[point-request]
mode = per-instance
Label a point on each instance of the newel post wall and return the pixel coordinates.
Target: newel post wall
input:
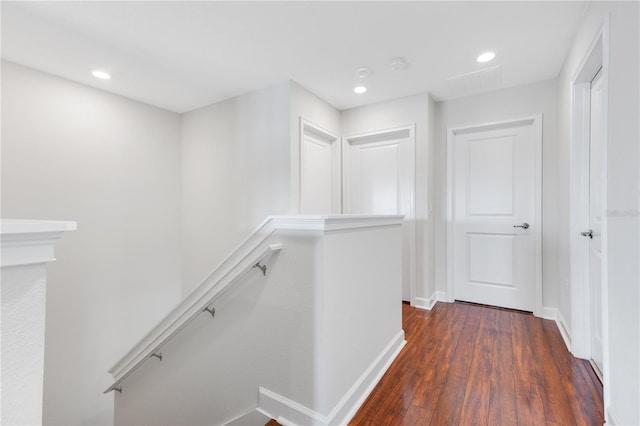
(27, 247)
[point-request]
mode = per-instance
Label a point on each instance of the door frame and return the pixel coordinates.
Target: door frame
(596, 58)
(308, 128)
(536, 122)
(385, 135)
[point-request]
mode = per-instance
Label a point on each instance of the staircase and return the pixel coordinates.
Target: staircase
(297, 324)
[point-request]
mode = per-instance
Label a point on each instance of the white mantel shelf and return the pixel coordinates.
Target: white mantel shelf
(28, 242)
(29, 226)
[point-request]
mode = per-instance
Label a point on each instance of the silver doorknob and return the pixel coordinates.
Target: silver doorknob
(588, 233)
(525, 225)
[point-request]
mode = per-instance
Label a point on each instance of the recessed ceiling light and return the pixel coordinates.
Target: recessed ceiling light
(359, 90)
(102, 75)
(486, 57)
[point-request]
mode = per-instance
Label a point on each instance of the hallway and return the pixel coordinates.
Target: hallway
(468, 364)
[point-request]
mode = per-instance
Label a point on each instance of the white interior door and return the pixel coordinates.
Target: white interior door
(595, 220)
(494, 203)
(378, 179)
(319, 171)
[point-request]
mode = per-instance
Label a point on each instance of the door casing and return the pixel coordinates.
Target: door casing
(596, 58)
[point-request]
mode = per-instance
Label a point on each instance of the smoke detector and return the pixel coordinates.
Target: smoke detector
(363, 72)
(399, 64)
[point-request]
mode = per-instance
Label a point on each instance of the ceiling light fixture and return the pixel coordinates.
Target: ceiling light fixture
(359, 90)
(399, 64)
(102, 75)
(486, 57)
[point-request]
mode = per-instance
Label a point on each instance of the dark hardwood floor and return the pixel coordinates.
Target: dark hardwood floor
(466, 364)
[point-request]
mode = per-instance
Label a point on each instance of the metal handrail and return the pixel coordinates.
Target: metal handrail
(185, 312)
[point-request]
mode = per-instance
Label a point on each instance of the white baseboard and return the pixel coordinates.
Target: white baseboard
(253, 417)
(564, 330)
(288, 412)
(609, 418)
(549, 313)
(440, 296)
(425, 304)
(428, 304)
(555, 315)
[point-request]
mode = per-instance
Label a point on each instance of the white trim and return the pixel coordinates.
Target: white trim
(554, 314)
(422, 303)
(549, 313)
(238, 418)
(609, 418)
(358, 393)
(440, 296)
(595, 58)
(564, 330)
(250, 251)
(308, 128)
(402, 132)
(332, 222)
(604, 229)
(536, 122)
(30, 226)
(289, 412)
(428, 304)
(30, 242)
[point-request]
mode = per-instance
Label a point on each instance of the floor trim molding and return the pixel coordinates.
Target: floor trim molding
(428, 304)
(609, 418)
(288, 412)
(549, 313)
(564, 330)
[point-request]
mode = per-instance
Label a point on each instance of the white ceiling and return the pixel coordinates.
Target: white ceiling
(184, 55)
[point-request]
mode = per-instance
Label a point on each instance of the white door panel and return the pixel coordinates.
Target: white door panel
(494, 188)
(319, 171)
(490, 177)
(317, 189)
(378, 180)
(379, 187)
(483, 251)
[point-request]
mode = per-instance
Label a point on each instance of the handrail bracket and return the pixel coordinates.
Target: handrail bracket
(212, 311)
(263, 268)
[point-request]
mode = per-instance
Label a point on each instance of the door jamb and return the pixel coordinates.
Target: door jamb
(390, 134)
(536, 122)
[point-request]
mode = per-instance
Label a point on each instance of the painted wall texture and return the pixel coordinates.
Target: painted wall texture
(70, 152)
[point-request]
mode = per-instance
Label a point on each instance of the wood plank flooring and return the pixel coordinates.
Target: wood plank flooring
(466, 364)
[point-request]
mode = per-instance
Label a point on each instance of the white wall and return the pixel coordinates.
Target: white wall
(70, 152)
(503, 105)
(399, 112)
(622, 383)
(235, 173)
(308, 106)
